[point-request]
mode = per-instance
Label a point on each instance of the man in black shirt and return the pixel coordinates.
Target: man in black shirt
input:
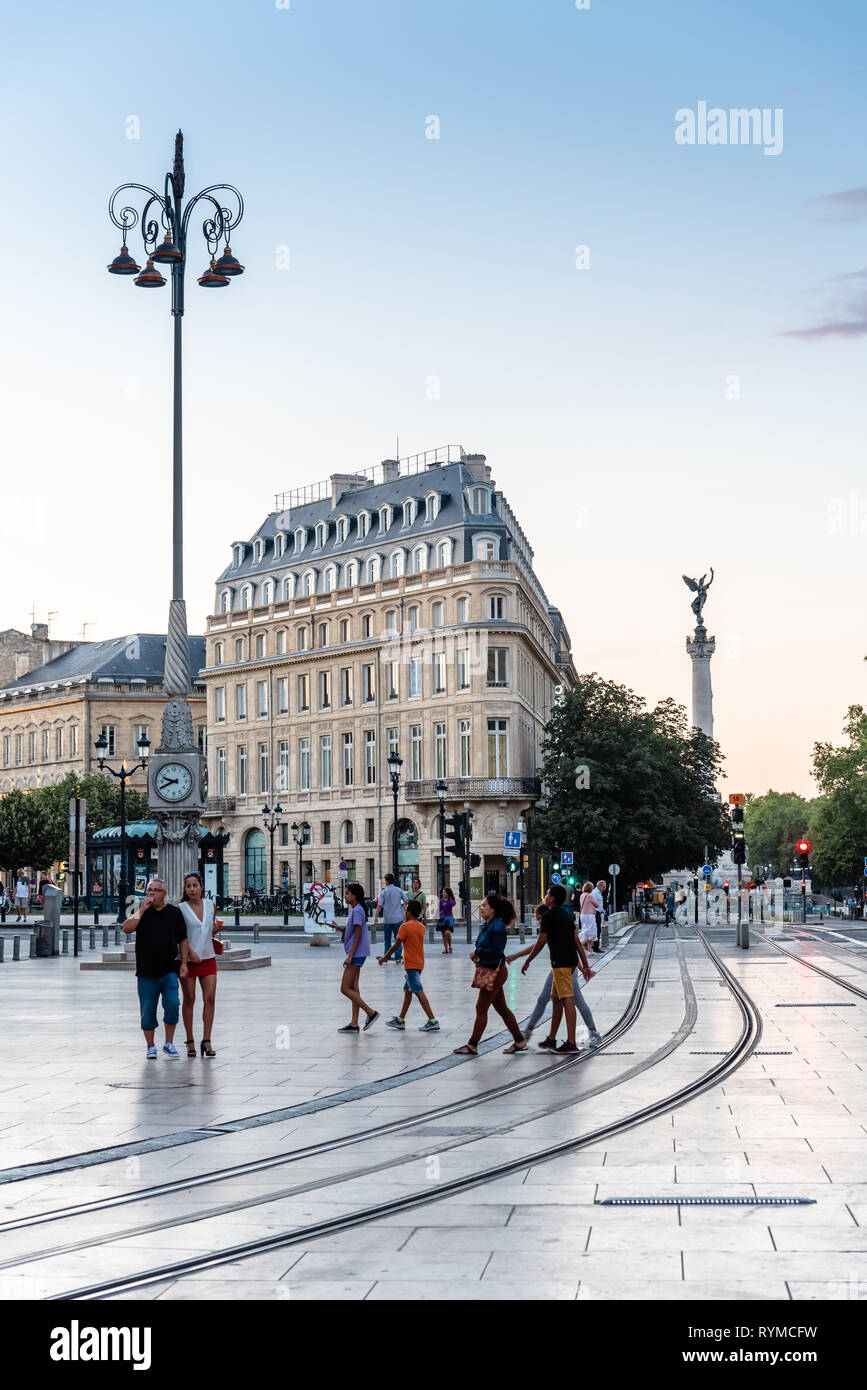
(161, 935)
(557, 932)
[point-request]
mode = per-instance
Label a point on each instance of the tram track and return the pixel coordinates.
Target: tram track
(750, 1036)
(835, 979)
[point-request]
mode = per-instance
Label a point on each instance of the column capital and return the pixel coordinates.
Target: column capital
(700, 648)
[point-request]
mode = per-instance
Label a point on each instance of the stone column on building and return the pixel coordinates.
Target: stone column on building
(700, 649)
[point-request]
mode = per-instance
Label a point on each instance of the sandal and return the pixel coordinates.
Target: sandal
(207, 1050)
(515, 1048)
(191, 1047)
(466, 1051)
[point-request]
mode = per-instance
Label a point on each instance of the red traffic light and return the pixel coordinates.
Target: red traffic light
(726, 885)
(803, 846)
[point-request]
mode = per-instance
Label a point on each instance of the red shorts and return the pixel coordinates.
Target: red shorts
(195, 971)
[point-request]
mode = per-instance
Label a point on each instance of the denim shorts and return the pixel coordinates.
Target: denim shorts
(412, 982)
(358, 960)
(149, 991)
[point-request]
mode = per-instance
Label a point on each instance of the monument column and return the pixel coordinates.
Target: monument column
(700, 649)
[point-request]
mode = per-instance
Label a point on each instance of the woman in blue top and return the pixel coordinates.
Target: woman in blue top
(356, 944)
(489, 955)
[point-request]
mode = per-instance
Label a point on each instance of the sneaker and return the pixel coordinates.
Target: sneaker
(567, 1048)
(430, 1027)
(170, 1050)
(152, 1053)
(595, 1037)
(395, 1023)
(548, 1045)
(349, 1028)
(370, 1020)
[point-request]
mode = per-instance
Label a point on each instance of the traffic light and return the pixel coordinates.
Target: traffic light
(456, 835)
(475, 861)
(555, 862)
(726, 887)
(512, 866)
(803, 854)
(739, 848)
(737, 815)
(570, 880)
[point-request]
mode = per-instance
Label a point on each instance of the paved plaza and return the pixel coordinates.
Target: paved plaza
(85, 1119)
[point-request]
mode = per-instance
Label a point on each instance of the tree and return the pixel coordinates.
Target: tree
(838, 824)
(773, 825)
(629, 784)
(25, 833)
(102, 794)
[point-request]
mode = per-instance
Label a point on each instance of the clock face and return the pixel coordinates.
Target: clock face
(173, 782)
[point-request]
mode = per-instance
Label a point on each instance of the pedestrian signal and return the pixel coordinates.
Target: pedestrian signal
(511, 866)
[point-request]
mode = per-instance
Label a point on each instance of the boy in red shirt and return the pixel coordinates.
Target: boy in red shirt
(410, 935)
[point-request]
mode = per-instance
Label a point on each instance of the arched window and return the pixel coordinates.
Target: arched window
(431, 506)
(344, 629)
(260, 644)
(480, 500)
(258, 550)
(308, 583)
(301, 639)
(487, 548)
(413, 616)
(419, 559)
(391, 620)
(247, 596)
(288, 587)
(329, 579)
(218, 654)
(372, 569)
(239, 649)
(300, 539)
(341, 528)
(407, 835)
(385, 515)
(279, 544)
(237, 555)
(226, 601)
(347, 833)
(266, 591)
(363, 524)
(281, 641)
(444, 554)
(409, 511)
(437, 615)
(350, 575)
(321, 534)
(395, 564)
(255, 861)
(367, 625)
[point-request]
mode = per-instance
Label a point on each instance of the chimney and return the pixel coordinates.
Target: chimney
(39, 631)
(476, 466)
(390, 470)
(346, 482)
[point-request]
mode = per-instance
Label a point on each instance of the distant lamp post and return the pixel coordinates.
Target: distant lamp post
(301, 836)
(144, 748)
(395, 763)
(272, 819)
(441, 790)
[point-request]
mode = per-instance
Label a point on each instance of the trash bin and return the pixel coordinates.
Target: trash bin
(48, 930)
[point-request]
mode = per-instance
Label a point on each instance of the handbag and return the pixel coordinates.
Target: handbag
(485, 977)
(215, 940)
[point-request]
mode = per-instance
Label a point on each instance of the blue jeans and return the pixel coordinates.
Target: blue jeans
(149, 991)
(389, 930)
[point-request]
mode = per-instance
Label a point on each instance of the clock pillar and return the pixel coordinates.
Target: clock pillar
(178, 826)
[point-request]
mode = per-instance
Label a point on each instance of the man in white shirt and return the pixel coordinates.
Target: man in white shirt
(22, 896)
(598, 896)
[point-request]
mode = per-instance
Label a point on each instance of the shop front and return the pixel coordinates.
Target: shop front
(103, 866)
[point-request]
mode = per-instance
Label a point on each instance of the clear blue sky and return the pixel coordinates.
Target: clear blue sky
(598, 395)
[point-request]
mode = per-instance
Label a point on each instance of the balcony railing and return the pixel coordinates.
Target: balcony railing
(219, 805)
(472, 788)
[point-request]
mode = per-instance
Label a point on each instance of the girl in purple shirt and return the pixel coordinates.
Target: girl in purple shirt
(356, 944)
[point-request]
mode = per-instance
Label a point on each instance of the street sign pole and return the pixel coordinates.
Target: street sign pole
(743, 937)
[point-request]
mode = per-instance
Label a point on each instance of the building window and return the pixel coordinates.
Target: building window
(46, 745)
(301, 642)
(369, 758)
(281, 642)
(391, 622)
(239, 649)
(466, 758)
(415, 675)
(300, 539)
(303, 692)
(415, 752)
(344, 629)
(242, 770)
(346, 685)
(283, 766)
(419, 559)
(366, 625)
(139, 732)
(463, 668)
(325, 768)
(258, 551)
(320, 536)
(370, 826)
(323, 634)
(282, 695)
(496, 607)
(431, 507)
(498, 748)
(73, 741)
(202, 739)
(324, 689)
(262, 699)
(225, 601)
(329, 579)
(409, 512)
(347, 760)
(413, 618)
(350, 575)
(266, 592)
(19, 749)
(59, 741)
(384, 519)
(462, 610)
(288, 587)
(479, 501)
(444, 554)
(372, 569)
(439, 673)
(7, 749)
(341, 529)
(436, 615)
(260, 644)
(109, 733)
(218, 653)
(363, 522)
(369, 684)
(221, 772)
(237, 555)
(304, 764)
(498, 670)
(396, 564)
(308, 584)
(31, 747)
(439, 750)
(240, 702)
(264, 776)
(325, 832)
(247, 596)
(284, 839)
(279, 545)
(391, 736)
(347, 833)
(392, 691)
(486, 550)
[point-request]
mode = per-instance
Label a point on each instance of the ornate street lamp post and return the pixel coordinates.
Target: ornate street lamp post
(272, 819)
(144, 748)
(395, 763)
(301, 836)
(441, 789)
(177, 784)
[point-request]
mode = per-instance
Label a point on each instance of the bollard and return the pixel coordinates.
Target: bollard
(105, 938)
(237, 918)
(65, 946)
(430, 933)
(2, 949)
(3, 913)
(255, 934)
(285, 916)
(16, 948)
(92, 941)
(522, 935)
(32, 945)
(96, 916)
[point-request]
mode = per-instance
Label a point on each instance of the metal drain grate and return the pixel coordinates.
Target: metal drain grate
(775, 1052)
(814, 1006)
(618, 1054)
(707, 1054)
(706, 1202)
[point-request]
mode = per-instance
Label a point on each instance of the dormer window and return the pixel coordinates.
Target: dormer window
(385, 519)
(409, 511)
(480, 500)
(237, 555)
(258, 550)
(288, 587)
(372, 569)
(226, 601)
(431, 506)
(279, 544)
(444, 554)
(419, 559)
(341, 528)
(363, 524)
(395, 564)
(267, 588)
(300, 539)
(350, 575)
(246, 597)
(321, 535)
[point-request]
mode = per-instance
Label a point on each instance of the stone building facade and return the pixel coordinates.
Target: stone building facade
(21, 652)
(393, 609)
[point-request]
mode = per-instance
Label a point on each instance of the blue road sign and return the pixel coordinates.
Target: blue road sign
(555, 878)
(707, 871)
(567, 857)
(513, 839)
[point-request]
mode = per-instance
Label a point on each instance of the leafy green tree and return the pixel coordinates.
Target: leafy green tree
(629, 784)
(101, 792)
(25, 833)
(773, 824)
(838, 825)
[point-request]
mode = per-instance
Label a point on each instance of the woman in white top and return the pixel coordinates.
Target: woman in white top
(22, 896)
(587, 930)
(198, 913)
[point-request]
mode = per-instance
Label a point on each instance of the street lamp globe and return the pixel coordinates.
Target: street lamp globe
(144, 747)
(395, 763)
(441, 789)
(101, 747)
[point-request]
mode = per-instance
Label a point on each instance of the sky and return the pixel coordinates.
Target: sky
(659, 346)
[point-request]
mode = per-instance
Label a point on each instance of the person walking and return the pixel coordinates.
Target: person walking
(417, 896)
(583, 968)
(557, 932)
(491, 974)
(22, 896)
(389, 907)
(598, 896)
(200, 922)
(587, 918)
(670, 906)
(356, 944)
(160, 935)
(411, 933)
(446, 919)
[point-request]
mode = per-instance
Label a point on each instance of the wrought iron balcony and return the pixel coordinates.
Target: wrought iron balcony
(476, 788)
(219, 805)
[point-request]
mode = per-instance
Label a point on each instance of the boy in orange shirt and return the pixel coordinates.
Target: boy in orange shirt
(410, 935)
